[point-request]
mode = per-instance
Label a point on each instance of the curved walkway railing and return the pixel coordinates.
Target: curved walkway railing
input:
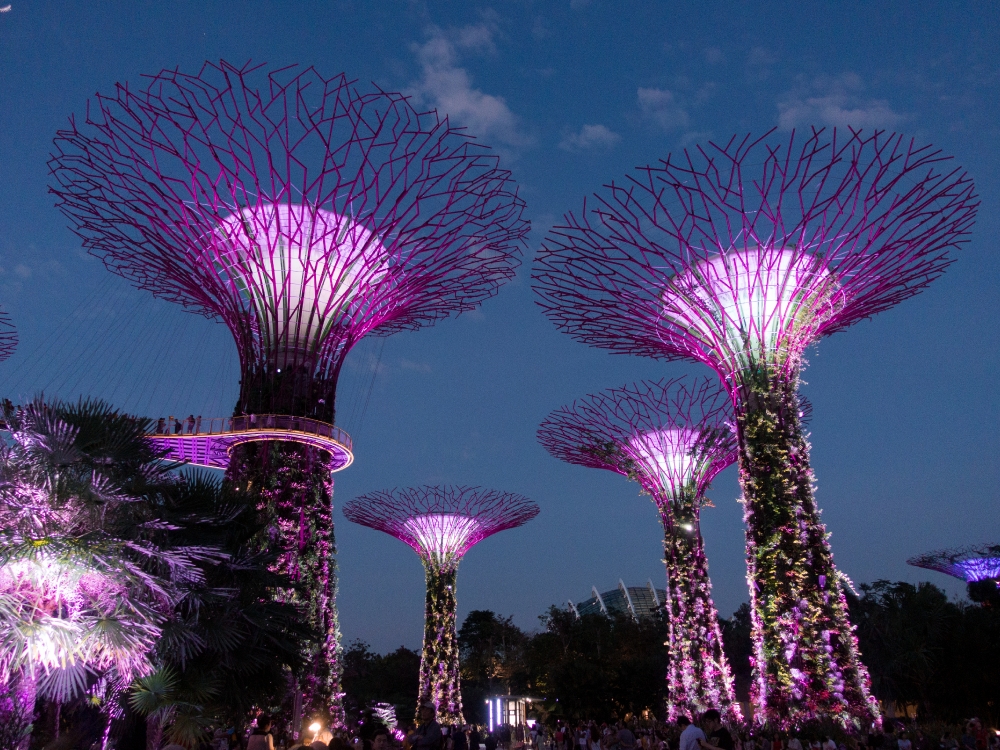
(208, 442)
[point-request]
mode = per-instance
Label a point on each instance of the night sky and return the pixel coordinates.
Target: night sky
(572, 93)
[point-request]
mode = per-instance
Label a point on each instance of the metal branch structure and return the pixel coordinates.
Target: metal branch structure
(672, 437)
(441, 524)
(8, 336)
(740, 255)
(978, 566)
(305, 213)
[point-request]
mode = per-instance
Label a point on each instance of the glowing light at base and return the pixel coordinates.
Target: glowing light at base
(441, 524)
(669, 453)
(299, 267)
(751, 306)
(441, 537)
(673, 438)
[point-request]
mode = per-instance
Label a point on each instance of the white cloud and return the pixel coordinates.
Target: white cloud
(662, 107)
(406, 364)
(446, 85)
(835, 102)
(714, 55)
(590, 136)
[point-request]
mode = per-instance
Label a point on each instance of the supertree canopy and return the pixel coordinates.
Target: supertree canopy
(673, 437)
(441, 524)
(304, 212)
(978, 566)
(740, 255)
(8, 336)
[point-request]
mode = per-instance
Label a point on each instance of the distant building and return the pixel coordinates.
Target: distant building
(637, 601)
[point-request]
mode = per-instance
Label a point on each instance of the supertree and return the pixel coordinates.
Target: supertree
(672, 437)
(739, 255)
(8, 336)
(305, 213)
(441, 524)
(978, 566)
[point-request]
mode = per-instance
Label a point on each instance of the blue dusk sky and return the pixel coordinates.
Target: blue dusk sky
(572, 93)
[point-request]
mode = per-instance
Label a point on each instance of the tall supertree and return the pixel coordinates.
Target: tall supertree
(305, 213)
(673, 438)
(441, 524)
(739, 255)
(978, 566)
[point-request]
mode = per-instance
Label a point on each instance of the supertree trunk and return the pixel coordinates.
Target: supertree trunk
(806, 660)
(296, 489)
(439, 668)
(698, 677)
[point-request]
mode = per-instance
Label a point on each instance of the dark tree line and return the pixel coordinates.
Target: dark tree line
(938, 657)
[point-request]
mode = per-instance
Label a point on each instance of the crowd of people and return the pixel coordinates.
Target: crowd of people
(707, 732)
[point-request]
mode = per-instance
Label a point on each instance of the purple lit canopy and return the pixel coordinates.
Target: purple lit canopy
(667, 435)
(971, 564)
(305, 212)
(745, 252)
(441, 523)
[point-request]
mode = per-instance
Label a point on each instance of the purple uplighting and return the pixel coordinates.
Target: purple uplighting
(703, 257)
(441, 524)
(971, 564)
(673, 438)
(305, 213)
(668, 434)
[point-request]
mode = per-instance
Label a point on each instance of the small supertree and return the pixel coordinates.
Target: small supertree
(739, 256)
(8, 336)
(441, 524)
(305, 213)
(978, 566)
(673, 438)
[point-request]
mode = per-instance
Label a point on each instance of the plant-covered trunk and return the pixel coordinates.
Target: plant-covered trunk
(698, 676)
(439, 668)
(296, 488)
(806, 660)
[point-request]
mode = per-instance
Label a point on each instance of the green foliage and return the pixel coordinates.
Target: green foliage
(596, 667)
(493, 652)
(738, 642)
(921, 649)
(370, 678)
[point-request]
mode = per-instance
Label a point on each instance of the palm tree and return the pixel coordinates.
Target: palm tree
(89, 572)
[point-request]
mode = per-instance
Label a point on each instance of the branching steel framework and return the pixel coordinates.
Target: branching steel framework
(305, 213)
(8, 336)
(739, 255)
(441, 524)
(672, 437)
(971, 564)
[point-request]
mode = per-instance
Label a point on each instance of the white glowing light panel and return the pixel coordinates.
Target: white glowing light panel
(442, 537)
(668, 454)
(300, 266)
(751, 304)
